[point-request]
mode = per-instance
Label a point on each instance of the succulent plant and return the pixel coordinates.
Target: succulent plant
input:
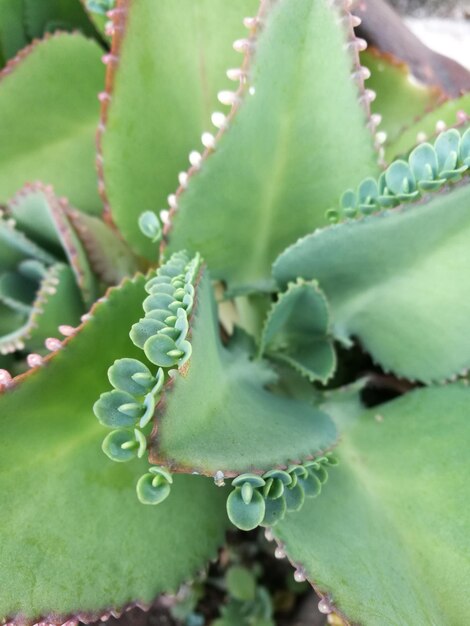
(225, 359)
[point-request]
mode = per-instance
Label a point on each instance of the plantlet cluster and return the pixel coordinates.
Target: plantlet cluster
(231, 306)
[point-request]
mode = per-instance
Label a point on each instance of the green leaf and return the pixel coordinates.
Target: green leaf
(241, 583)
(56, 302)
(398, 281)
(50, 15)
(109, 256)
(400, 98)
(49, 113)
(297, 139)
(178, 52)
(44, 218)
(79, 539)
(386, 541)
(297, 331)
(217, 415)
(446, 114)
(13, 36)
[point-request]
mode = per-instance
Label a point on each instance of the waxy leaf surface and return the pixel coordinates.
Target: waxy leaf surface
(387, 542)
(298, 139)
(74, 537)
(399, 282)
(177, 53)
(217, 414)
(49, 112)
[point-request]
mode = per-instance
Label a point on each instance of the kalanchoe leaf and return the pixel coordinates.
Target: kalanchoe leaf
(252, 479)
(121, 445)
(107, 408)
(464, 155)
(297, 331)
(447, 114)
(144, 329)
(275, 510)
(53, 131)
(427, 169)
(200, 410)
(131, 375)
(150, 226)
(294, 496)
(152, 489)
(245, 516)
(394, 500)
(79, 512)
(44, 218)
(300, 149)
(149, 50)
(400, 98)
(400, 180)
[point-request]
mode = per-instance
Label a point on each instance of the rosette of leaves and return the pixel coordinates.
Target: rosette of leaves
(381, 263)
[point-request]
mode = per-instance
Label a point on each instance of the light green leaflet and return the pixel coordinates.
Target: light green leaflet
(297, 141)
(399, 282)
(49, 113)
(388, 540)
(176, 53)
(74, 537)
(219, 398)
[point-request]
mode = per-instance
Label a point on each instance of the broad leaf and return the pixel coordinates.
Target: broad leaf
(447, 114)
(51, 15)
(178, 53)
(386, 542)
(12, 29)
(217, 415)
(56, 302)
(44, 218)
(399, 282)
(49, 113)
(297, 329)
(74, 537)
(298, 138)
(400, 97)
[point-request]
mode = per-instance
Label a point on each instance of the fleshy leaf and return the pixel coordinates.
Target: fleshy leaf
(219, 396)
(80, 540)
(179, 52)
(13, 35)
(297, 331)
(400, 97)
(281, 163)
(384, 542)
(51, 15)
(398, 281)
(449, 113)
(49, 115)
(44, 218)
(109, 257)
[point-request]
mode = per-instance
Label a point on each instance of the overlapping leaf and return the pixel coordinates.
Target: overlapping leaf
(217, 414)
(177, 52)
(399, 282)
(386, 542)
(449, 113)
(49, 112)
(74, 537)
(288, 152)
(400, 97)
